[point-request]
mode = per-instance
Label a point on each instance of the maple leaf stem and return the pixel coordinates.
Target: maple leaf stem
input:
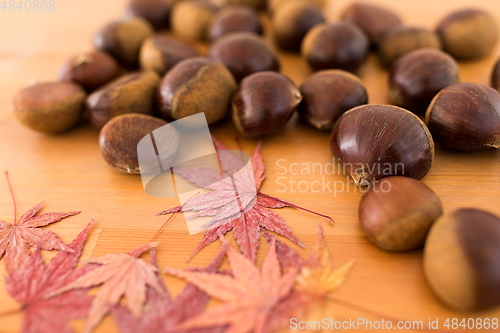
(374, 313)
(12, 195)
(165, 224)
(298, 207)
(10, 312)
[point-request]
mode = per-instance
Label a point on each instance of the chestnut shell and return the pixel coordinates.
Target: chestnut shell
(263, 104)
(339, 45)
(156, 12)
(244, 53)
(468, 33)
(235, 18)
(373, 20)
(420, 75)
(495, 76)
(465, 116)
(402, 40)
(119, 138)
(291, 22)
(328, 94)
(161, 52)
(396, 213)
(131, 93)
(91, 70)
(462, 259)
(196, 85)
(377, 141)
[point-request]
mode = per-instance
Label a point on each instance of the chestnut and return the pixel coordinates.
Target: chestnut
(131, 93)
(263, 104)
(156, 12)
(244, 53)
(461, 259)
(339, 45)
(465, 116)
(256, 4)
(373, 20)
(91, 70)
(123, 39)
(378, 141)
(272, 5)
(161, 52)
(291, 22)
(328, 94)
(235, 18)
(396, 213)
(191, 19)
(403, 40)
(50, 107)
(495, 76)
(119, 138)
(196, 85)
(418, 76)
(468, 33)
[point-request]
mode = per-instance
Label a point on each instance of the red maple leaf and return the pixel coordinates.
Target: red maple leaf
(246, 213)
(122, 275)
(249, 297)
(16, 239)
(161, 313)
(31, 285)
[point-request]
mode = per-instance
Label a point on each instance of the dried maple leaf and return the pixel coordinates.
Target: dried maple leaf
(16, 239)
(35, 281)
(249, 296)
(161, 313)
(317, 281)
(245, 213)
(120, 275)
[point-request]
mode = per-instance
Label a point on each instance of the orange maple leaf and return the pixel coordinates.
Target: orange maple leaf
(249, 296)
(121, 275)
(312, 296)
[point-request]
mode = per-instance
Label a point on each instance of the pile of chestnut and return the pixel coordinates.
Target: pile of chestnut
(139, 77)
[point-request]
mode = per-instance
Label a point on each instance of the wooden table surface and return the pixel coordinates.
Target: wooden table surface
(70, 174)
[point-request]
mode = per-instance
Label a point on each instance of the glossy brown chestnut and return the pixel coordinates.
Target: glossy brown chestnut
(328, 94)
(465, 116)
(196, 85)
(91, 70)
(191, 19)
(162, 52)
(244, 53)
(396, 213)
(418, 76)
(291, 22)
(235, 18)
(339, 45)
(156, 12)
(263, 104)
(123, 39)
(121, 135)
(50, 107)
(403, 40)
(495, 76)
(132, 93)
(378, 141)
(468, 33)
(373, 20)
(461, 260)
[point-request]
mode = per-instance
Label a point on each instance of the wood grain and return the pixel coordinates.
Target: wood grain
(70, 174)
